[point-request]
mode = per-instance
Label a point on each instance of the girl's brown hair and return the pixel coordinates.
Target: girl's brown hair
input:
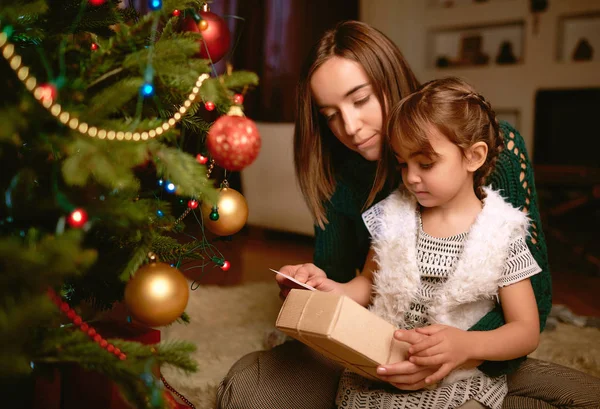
(454, 108)
(315, 146)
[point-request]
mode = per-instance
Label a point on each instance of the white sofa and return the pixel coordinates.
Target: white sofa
(269, 184)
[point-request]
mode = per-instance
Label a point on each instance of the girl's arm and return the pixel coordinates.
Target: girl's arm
(514, 177)
(451, 347)
(519, 336)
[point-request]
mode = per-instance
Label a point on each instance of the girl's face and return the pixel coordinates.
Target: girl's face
(341, 89)
(438, 181)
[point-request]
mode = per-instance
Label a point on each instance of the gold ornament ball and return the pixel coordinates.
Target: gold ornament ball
(157, 294)
(233, 213)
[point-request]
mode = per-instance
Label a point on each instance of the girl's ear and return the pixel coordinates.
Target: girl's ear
(476, 156)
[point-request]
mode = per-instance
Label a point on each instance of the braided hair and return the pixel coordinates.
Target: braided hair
(457, 111)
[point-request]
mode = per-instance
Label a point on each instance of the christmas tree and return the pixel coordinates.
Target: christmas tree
(98, 106)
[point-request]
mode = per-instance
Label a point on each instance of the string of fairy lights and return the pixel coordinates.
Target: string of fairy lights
(45, 94)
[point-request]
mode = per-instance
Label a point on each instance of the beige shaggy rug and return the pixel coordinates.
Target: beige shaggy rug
(229, 322)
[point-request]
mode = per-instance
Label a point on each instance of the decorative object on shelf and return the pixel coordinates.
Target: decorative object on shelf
(583, 50)
(232, 213)
(471, 50)
(157, 294)
(216, 38)
(233, 140)
(506, 54)
(442, 62)
(537, 7)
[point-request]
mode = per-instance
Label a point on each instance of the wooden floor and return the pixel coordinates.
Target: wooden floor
(253, 251)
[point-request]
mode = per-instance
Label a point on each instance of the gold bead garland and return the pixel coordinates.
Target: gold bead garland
(66, 118)
(188, 210)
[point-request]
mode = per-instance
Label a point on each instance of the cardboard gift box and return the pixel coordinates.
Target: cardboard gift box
(342, 330)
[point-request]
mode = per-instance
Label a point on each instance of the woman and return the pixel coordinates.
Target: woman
(352, 76)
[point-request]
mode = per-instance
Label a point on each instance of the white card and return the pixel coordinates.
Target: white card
(292, 279)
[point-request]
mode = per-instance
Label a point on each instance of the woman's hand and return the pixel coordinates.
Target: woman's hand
(308, 274)
(407, 375)
(444, 347)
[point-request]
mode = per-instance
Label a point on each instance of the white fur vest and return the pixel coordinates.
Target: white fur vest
(469, 292)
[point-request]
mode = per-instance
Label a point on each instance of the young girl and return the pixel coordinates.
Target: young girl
(445, 249)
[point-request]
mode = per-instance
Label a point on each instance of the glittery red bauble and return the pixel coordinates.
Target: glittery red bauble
(233, 142)
(216, 38)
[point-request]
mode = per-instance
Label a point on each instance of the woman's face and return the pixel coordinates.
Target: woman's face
(345, 97)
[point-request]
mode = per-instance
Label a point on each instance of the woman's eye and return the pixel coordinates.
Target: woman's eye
(362, 101)
(329, 117)
(426, 165)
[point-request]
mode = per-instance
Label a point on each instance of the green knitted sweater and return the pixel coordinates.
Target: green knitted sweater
(341, 248)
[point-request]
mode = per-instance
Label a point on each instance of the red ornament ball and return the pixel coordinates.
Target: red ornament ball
(226, 265)
(238, 99)
(94, 46)
(233, 142)
(176, 13)
(201, 159)
(216, 38)
(209, 105)
(192, 204)
(96, 2)
(77, 218)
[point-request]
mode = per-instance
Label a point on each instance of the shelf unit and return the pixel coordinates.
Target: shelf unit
(511, 88)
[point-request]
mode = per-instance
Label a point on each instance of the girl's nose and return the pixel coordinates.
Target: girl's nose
(411, 175)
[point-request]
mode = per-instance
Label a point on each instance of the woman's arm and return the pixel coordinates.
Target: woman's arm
(341, 248)
(515, 180)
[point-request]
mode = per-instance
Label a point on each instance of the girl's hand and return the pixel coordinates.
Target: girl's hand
(308, 274)
(444, 346)
(406, 375)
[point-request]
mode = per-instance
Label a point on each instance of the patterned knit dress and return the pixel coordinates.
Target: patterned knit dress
(436, 260)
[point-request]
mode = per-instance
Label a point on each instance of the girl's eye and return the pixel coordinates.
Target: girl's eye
(363, 101)
(426, 165)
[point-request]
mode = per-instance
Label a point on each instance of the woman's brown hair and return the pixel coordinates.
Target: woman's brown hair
(314, 144)
(454, 108)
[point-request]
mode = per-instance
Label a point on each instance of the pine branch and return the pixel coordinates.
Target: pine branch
(12, 12)
(169, 249)
(183, 170)
(136, 260)
(107, 163)
(119, 94)
(50, 259)
(240, 79)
